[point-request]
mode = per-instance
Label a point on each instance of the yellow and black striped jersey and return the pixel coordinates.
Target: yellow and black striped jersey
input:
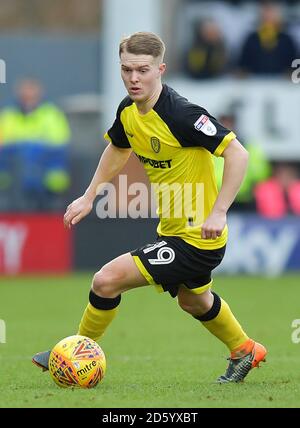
(174, 142)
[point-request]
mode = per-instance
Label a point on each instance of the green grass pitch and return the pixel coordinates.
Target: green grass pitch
(157, 355)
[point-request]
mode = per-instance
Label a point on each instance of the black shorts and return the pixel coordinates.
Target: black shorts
(170, 262)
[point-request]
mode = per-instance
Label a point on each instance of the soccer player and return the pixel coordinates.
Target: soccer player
(174, 140)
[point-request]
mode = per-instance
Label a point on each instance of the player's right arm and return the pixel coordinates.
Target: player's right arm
(110, 164)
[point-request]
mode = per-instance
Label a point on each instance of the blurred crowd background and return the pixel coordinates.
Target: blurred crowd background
(237, 59)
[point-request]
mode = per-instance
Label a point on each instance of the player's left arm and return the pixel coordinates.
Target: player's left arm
(235, 166)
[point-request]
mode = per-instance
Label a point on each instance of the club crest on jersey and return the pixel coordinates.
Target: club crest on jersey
(155, 144)
(204, 125)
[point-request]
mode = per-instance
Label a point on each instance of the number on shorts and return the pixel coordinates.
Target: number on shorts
(161, 260)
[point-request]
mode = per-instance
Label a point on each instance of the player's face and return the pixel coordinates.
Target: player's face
(141, 75)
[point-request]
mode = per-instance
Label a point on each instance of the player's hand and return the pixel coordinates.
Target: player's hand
(213, 226)
(77, 210)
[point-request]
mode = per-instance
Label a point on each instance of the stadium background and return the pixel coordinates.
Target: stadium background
(71, 47)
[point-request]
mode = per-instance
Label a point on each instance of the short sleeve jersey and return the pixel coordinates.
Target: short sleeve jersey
(175, 142)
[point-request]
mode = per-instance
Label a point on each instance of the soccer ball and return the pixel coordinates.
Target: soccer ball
(77, 361)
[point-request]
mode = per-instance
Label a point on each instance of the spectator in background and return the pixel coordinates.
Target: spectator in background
(269, 50)
(207, 57)
(35, 134)
(259, 169)
(280, 195)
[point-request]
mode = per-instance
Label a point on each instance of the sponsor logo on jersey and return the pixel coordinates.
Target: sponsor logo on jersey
(205, 125)
(156, 163)
(155, 144)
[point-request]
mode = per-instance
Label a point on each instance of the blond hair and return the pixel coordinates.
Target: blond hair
(143, 43)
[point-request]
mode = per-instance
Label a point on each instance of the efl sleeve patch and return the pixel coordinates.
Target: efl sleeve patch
(193, 126)
(205, 125)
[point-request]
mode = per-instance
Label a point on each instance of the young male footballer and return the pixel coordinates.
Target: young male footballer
(174, 141)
